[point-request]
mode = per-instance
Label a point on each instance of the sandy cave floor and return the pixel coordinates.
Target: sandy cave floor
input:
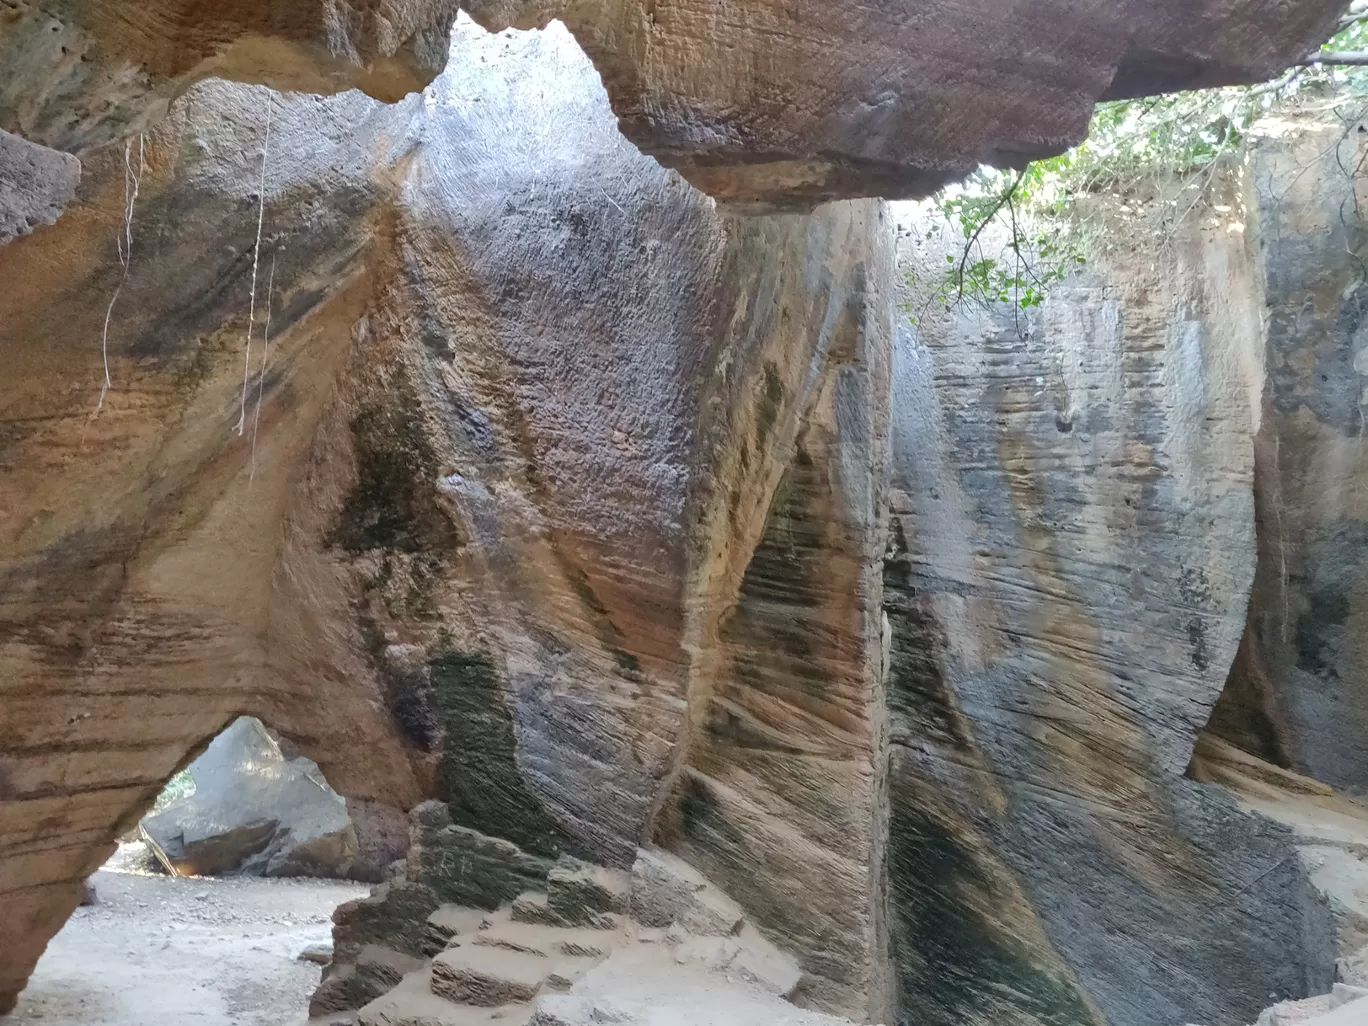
(198, 952)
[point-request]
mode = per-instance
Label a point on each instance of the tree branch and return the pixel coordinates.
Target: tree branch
(1339, 58)
(1282, 82)
(1002, 201)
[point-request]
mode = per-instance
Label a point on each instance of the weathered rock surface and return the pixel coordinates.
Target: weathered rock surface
(1330, 828)
(1065, 584)
(36, 184)
(527, 400)
(78, 74)
(758, 103)
(253, 811)
(580, 516)
(790, 104)
(1295, 696)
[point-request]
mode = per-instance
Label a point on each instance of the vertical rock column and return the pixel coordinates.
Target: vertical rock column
(1071, 554)
(1298, 694)
(779, 799)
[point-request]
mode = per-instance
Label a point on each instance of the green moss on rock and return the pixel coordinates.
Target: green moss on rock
(393, 505)
(484, 784)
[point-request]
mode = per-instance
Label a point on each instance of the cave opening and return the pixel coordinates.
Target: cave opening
(217, 905)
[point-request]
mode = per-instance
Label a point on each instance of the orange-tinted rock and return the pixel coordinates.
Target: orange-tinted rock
(761, 103)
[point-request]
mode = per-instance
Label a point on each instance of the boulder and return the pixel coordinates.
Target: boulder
(254, 812)
(36, 184)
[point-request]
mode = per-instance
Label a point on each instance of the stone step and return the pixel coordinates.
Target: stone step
(447, 922)
(541, 939)
(376, 970)
(578, 892)
(667, 891)
(486, 976)
(530, 907)
(535, 907)
(413, 1003)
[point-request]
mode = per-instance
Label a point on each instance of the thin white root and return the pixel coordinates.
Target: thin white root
(256, 255)
(261, 378)
(123, 243)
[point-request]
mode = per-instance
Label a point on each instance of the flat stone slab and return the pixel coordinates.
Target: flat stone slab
(486, 976)
(541, 939)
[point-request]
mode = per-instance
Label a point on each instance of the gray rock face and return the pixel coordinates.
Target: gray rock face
(1069, 560)
(36, 183)
(253, 811)
(1296, 693)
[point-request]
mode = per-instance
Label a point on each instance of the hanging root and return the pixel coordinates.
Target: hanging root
(261, 378)
(256, 255)
(123, 242)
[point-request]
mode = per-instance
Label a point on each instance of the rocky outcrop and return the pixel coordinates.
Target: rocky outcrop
(1295, 694)
(582, 519)
(36, 184)
(153, 587)
(761, 104)
(1066, 580)
(253, 811)
(526, 401)
(79, 74)
(785, 105)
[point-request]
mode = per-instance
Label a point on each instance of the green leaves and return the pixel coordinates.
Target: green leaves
(1042, 211)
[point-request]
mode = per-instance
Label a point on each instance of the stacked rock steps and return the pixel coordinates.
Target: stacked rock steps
(503, 966)
(491, 967)
(413, 1003)
(447, 922)
(502, 931)
(492, 975)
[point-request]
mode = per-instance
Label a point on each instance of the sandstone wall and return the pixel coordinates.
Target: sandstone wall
(602, 517)
(764, 104)
(1295, 696)
(528, 398)
(152, 587)
(1072, 547)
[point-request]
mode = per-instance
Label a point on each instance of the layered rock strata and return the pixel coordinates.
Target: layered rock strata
(785, 105)
(1295, 692)
(1068, 568)
(762, 104)
(527, 398)
(598, 517)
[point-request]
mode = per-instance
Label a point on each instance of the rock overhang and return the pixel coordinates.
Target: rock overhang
(765, 105)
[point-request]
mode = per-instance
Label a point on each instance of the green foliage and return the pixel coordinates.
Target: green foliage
(1013, 234)
(182, 785)
(1019, 272)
